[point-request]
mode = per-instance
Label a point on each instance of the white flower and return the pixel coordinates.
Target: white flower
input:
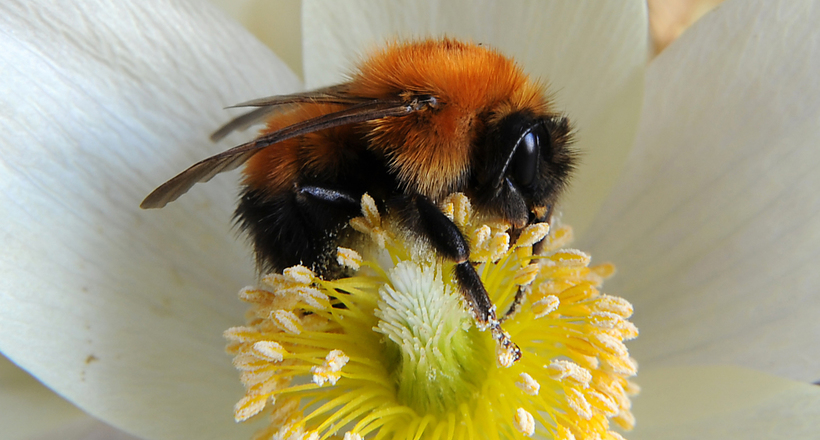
(713, 223)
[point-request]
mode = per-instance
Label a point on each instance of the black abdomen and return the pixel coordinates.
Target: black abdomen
(305, 225)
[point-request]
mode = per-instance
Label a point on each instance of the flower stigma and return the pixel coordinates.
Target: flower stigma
(391, 350)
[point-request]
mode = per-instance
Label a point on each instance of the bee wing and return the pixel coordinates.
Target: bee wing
(273, 104)
(244, 121)
(204, 170)
(337, 94)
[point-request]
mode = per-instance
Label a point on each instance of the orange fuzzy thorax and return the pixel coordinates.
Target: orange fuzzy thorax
(430, 150)
(474, 85)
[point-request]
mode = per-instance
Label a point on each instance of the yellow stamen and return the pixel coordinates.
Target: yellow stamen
(533, 234)
(299, 275)
(348, 258)
(287, 321)
(392, 352)
(330, 370)
(545, 306)
(269, 351)
(528, 384)
(524, 422)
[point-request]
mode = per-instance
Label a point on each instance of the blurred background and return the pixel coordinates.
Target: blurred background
(668, 19)
(275, 23)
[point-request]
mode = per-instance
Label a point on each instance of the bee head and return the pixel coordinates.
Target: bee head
(523, 163)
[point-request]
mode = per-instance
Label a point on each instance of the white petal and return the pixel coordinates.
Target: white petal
(118, 309)
(86, 428)
(27, 408)
(715, 226)
(592, 53)
(30, 411)
(723, 403)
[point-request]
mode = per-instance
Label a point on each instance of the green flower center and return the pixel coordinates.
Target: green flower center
(436, 357)
(391, 352)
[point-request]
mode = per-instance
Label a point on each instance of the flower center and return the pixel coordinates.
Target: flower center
(392, 353)
(436, 356)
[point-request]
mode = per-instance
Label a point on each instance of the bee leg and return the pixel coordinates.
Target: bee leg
(516, 304)
(325, 196)
(447, 240)
(326, 210)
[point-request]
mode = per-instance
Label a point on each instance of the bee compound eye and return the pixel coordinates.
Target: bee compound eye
(525, 160)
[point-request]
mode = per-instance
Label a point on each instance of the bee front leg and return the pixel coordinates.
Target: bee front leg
(445, 237)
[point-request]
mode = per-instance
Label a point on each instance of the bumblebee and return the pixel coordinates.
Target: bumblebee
(416, 122)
